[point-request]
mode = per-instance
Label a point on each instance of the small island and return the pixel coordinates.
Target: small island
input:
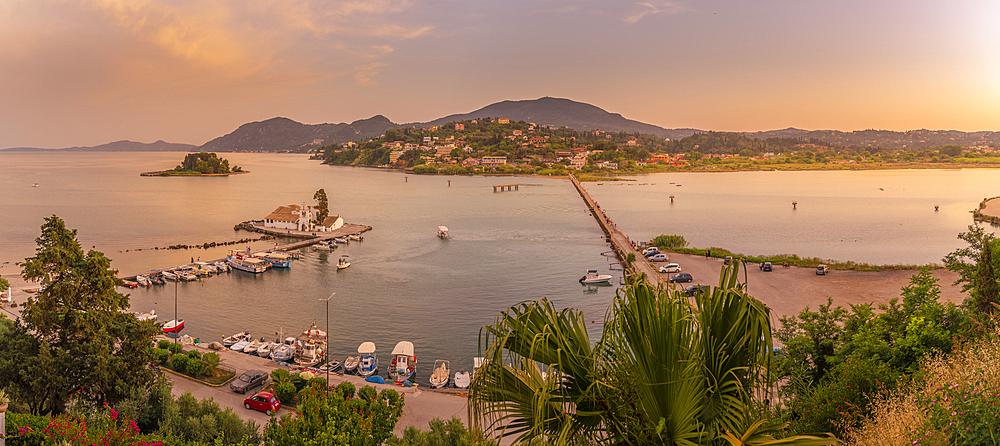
(199, 164)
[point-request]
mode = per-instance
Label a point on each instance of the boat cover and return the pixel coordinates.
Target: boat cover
(403, 348)
(375, 379)
(366, 348)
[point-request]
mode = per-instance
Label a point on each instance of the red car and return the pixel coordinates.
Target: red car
(264, 401)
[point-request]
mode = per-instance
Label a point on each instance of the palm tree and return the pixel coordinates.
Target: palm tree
(666, 371)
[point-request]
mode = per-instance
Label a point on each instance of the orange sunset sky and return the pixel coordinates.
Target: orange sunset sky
(87, 72)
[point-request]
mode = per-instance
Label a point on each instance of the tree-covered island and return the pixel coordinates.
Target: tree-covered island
(199, 164)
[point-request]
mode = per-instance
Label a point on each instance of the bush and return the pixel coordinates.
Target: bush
(194, 354)
(211, 361)
(175, 348)
(669, 241)
(195, 367)
(452, 433)
(367, 393)
(164, 344)
(298, 382)
(423, 168)
(280, 376)
(318, 382)
(178, 362)
(161, 356)
(285, 392)
(346, 390)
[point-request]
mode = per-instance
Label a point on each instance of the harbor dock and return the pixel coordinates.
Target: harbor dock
(308, 238)
(619, 241)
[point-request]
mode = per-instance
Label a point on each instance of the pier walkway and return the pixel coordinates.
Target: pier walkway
(619, 241)
(309, 238)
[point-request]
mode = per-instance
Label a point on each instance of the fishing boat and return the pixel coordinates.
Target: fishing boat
(442, 373)
(241, 345)
(330, 366)
(254, 345)
(462, 379)
(142, 280)
(344, 262)
(367, 360)
(356, 237)
(341, 240)
(351, 364)
(244, 262)
(228, 341)
(129, 284)
(443, 231)
(593, 277)
(151, 316)
(173, 326)
(222, 267)
(313, 350)
(157, 280)
(169, 276)
(404, 362)
(264, 351)
(286, 351)
(185, 275)
(276, 259)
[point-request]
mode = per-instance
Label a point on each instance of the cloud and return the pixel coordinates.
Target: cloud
(651, 8)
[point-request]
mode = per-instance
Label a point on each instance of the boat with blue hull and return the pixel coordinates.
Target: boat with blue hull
(276, 259)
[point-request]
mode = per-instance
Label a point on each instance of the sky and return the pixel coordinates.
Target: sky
(88, 72)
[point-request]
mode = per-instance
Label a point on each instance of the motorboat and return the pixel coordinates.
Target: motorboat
(442, 373)
(342, 240)
(158, 280)
(228, 341)
(286, 351)
(246, 262)
(443, 231)
(151, 316)
(173, 326)
(169, 276)
(351, 364)
(241, 345)
(355, 237)
(593, 277)
(404, 362)
(276, 259)
(264, 351)
(344, 262)
(462, 379)
(129, 284)
(142, 280)
(367, 360)
(310, 355)
(203, 269)
(254, 345)
(186, 276)
(222, 267)
(330, 366)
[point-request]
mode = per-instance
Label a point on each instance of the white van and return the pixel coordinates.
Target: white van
(661, 257)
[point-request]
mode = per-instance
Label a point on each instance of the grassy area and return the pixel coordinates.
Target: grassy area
(802, 262)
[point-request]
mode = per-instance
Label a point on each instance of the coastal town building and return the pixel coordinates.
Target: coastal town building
(459, 126)
(301, 218)
(494, 161)
(578, 161)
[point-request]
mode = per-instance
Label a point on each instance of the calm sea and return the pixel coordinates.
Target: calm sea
(405, 283)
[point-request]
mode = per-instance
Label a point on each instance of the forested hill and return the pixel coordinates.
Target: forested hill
(912, 139)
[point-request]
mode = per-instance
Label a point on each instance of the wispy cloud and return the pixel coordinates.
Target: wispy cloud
(651, 8)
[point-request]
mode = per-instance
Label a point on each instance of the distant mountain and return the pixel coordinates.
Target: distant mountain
(911, 139)
(563, 112)
(122, 146)
(285, 135)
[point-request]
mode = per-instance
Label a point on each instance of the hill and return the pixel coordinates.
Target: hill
(122, 146)
(563, 112)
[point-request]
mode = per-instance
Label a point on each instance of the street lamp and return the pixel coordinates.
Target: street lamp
(327, 352)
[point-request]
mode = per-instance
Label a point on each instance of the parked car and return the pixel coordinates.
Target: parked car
(661, 257)
(682, 277)
(670, 268)
(650, 251)
(264, 401)
(766, 266)
(691, 290)
(729, 259)
(822, 270)
(248, 380)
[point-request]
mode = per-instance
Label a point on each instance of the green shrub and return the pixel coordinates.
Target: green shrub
(280, 376)
(178, 362)
(285, 392)
(176, 348)
(298, 382)
(194, 354)
(367, 393)
(452, 433)
(318, 382)
(161, 356)
(346, 389)
(211, 361)
(423, 168)
(164, 344)
(669, 241)
(195, 367)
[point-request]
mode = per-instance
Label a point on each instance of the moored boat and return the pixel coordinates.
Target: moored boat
(169, 276)
(462, 379)
(222, 267)
(356, 237)
(286, 351)
(276, 259)
(247, 263)
(404, 362)
(265, 349)
(593, 277)
(313, 350)
(142, 280)
(350, 364)
(173, 326)
(241, 345)
(442, 373)
(151, 316)
(367, 360)
(341, 240)
(228, 341)
(129, 284)
(252, 348)
(330, 366)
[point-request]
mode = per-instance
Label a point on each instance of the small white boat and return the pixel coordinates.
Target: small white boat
(330, 366)
(310, 355)
(277, 259)
(442, 373)
(186, 276)
(286, 351)
(368, 361)
(228, 341)
(252, 348)
(129, 284)
(355, 237)
(151, 316)
(222, 267)
(240, 346)
(204, 269)
(143, 281)
(173, 326)
(341, 240)
(264, 351)
(344, 262)
(593, 277)
(247, 263)
(462, 379)
(350, 364)
(169, 276)
(404, 362)
(443, 231)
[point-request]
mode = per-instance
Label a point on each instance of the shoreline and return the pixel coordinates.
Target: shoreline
(170, 173)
